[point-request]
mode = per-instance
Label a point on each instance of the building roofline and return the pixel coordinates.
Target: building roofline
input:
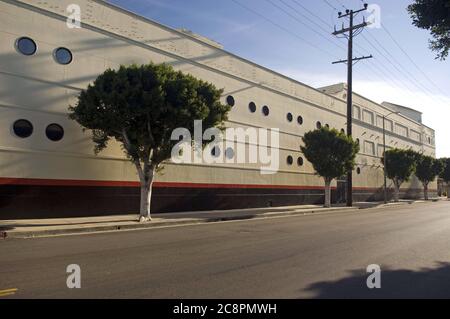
(402, 106)
(193, 38)
(379, 104)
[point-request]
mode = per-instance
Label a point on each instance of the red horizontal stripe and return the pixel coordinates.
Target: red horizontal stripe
(93, 183)
(96, 183)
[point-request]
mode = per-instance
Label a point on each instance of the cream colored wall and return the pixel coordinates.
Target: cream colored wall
(39, 89)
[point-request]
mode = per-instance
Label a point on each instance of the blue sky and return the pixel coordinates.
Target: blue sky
(290, 36)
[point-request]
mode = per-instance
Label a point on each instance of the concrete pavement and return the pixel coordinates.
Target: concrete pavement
(310, 256)
(30, 228)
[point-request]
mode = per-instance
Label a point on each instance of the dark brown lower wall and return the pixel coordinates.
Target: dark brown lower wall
(34, 201)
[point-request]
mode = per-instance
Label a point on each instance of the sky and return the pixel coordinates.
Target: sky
(294, 37)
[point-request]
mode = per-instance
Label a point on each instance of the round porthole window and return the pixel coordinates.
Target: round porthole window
(54, 132)
(300, 161)
(229, 153)
(265, 110)
(26, 46)
(290, 160)
(358, 170)
(300, 120)
(215, 151)
(289, 117)
(63, 56)
(318, 125)
(252, 107)
(327, 125)
(23, 128)
(230, 100)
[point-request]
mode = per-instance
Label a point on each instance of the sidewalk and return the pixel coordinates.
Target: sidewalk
(29, 228)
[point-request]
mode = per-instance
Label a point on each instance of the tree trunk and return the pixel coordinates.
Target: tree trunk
(396, 190)
(146, 195)
(425, 191)
(327, 193)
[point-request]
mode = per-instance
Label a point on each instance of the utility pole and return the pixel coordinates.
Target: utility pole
(352, 30)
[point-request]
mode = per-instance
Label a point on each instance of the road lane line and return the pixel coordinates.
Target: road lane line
(8, 292)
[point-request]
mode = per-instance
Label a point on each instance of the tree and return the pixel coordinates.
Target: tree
(433, 15)
(427, 168)
(445, 174)
(331, 153)
(400, 165)
(140, 107)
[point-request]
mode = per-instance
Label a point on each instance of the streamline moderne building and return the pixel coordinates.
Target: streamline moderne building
(47, 164)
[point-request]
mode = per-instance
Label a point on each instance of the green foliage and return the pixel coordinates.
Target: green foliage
(433, 15)
(140, 106)
(427, 168)
(400, 164)
(445, 174)
(331, 153)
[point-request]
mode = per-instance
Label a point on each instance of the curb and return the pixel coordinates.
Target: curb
(191, 221)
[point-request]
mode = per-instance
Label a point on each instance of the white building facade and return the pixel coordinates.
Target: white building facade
(47, 164)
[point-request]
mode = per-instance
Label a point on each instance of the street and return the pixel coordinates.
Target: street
(311, 256)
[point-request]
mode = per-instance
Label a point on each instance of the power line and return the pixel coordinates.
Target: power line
(283, 28)
(330, 5)
(301, 22)
(411, 60)
(311, 13)
(409, 76)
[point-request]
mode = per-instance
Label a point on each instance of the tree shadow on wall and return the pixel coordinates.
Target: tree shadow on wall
(424, 283)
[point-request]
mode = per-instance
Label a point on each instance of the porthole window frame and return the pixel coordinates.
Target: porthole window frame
(358, 170)
(300, 120)
(252, 107)
(17, 46)
(55, 56)
(15, 130)
(300, 161)
(230, 100)
(290, 160)
(263, 110)
(229, 153)
(318, 125)
(289, 117)
(56, 125)
(216, 151)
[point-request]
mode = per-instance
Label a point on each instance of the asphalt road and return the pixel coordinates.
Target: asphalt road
(316, 256)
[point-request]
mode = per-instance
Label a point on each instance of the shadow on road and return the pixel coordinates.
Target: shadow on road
(424, 283)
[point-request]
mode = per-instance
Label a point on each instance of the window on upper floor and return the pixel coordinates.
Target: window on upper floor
(26, 46)
(252, 107)
(289, 117)
(401, 130)
(54, 132)
(356, 112)
(415, 135)
(63, 56)
(369, 148)
(23, 128)
(368, 117)
(290, 160)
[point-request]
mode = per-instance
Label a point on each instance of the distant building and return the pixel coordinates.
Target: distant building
(47, 164)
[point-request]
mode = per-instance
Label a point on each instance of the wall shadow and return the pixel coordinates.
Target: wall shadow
(426, 283)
